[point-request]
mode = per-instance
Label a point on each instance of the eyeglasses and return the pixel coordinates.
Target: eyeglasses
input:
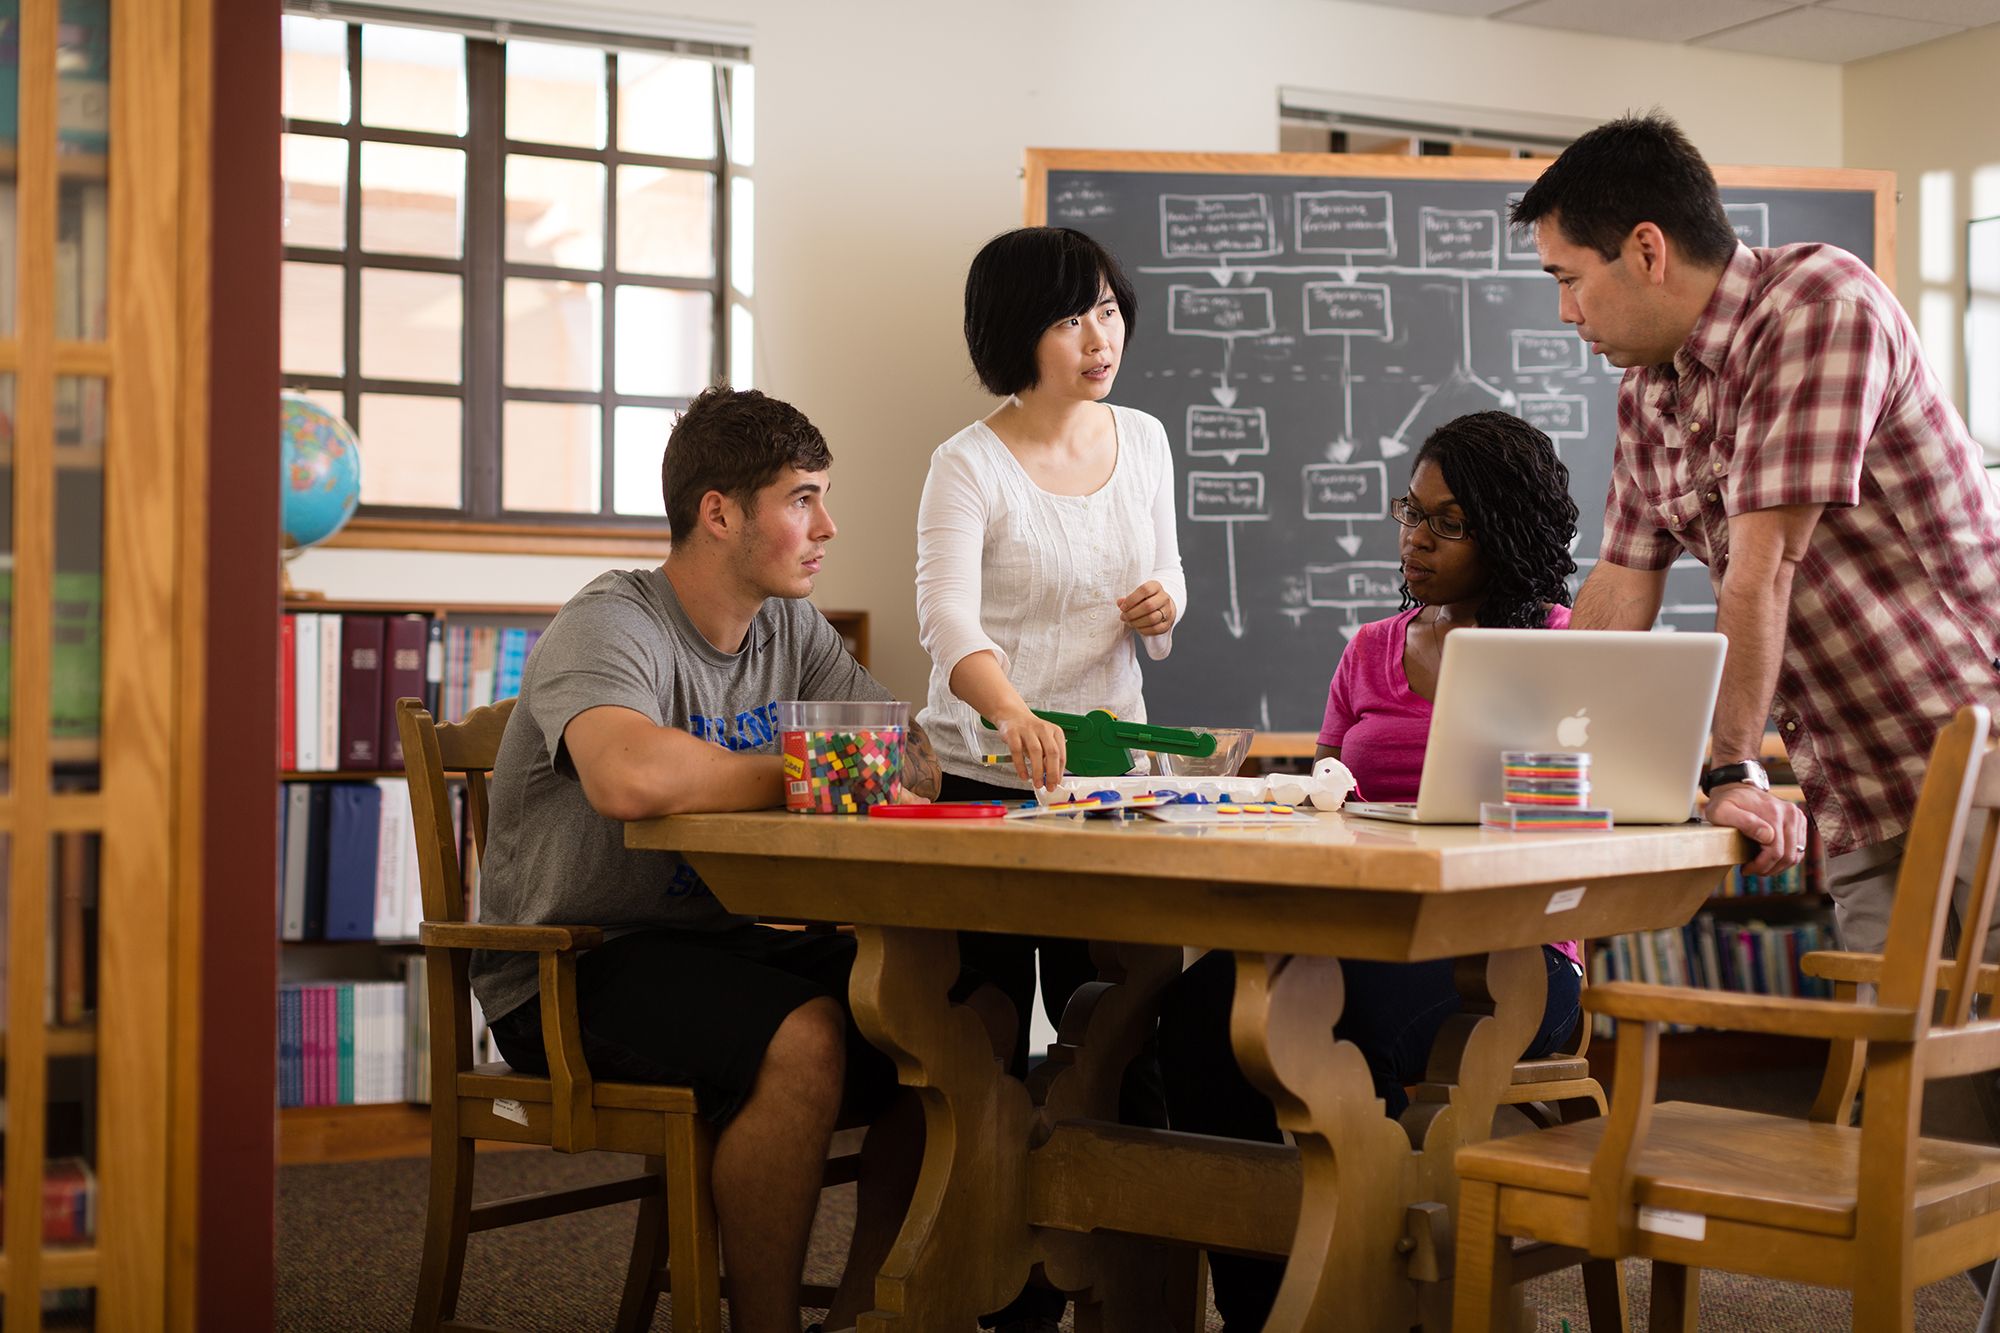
(1448, 526)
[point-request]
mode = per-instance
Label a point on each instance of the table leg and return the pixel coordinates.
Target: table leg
(965, 1247)
(1121, 1284)
(1346, 1269)
(1502, 996)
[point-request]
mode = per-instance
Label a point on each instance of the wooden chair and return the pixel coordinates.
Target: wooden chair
(1876, 1209)
(568, 1110)
(1558, 1088)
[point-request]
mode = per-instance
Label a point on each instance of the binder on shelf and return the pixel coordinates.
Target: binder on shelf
(292, 887)
(318, 804)
(353, 829)
(395, 858)
(361, 671)
(305, 690)
(328, 719)
(405, 676)
(288, 684)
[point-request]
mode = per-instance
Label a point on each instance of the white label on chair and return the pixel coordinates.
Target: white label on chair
(509, 1109)
(1562, 900)
(1668, 1222)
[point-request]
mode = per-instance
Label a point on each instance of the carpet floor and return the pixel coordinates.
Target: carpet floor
(350, 1236)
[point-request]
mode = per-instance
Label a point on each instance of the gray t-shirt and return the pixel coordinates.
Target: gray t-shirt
(625, 641)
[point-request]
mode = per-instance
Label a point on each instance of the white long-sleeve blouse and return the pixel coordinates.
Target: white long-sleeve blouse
(1003, 566)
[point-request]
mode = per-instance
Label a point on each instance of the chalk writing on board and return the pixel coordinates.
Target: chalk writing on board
(1217, 226)
(1752, 223)
(1460, 238)
(1226, 432)
(1372, 586)
(1560, 416)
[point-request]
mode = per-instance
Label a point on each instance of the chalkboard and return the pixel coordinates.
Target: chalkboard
(1303, 323)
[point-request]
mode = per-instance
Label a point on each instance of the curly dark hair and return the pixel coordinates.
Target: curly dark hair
(1514, 491)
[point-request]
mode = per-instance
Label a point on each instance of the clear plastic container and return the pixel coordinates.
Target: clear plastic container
(1232, 746)
(841, 757)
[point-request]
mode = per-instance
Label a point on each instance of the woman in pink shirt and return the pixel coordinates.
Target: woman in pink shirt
(1486, 529)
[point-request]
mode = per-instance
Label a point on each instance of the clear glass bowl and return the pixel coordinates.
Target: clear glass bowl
(1232, 746)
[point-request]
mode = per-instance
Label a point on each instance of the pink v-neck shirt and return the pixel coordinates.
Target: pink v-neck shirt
(1380, 724)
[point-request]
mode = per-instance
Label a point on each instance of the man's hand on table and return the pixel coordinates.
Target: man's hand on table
(1777, 824)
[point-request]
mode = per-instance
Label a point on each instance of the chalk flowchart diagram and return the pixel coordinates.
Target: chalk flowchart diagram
(1225, 255)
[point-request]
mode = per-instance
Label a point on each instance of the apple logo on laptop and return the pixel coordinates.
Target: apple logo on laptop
(1572, 733)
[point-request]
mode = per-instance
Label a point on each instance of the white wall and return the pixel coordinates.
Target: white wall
(1920, 113)
(889, 140)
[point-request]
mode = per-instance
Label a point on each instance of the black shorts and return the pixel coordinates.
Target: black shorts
(699, 1008)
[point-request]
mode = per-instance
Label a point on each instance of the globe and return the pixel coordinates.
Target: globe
(322, 471)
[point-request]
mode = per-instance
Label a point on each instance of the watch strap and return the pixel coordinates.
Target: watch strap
(1743, 770)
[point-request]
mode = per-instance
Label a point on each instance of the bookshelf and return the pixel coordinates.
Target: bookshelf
(137, 540)
(319, 956)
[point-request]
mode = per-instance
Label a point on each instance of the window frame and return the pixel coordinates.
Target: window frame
(481, 522)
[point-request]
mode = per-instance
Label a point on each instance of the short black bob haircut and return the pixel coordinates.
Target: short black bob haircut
(1514, 493)
(735, 441)
(1025, 280)
(1625, 172)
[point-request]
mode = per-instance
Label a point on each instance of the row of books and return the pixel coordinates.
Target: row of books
(1752, 957)
(69, 974)
(348, 861)
(76, 652)
(69, 1202)
(482, 663)
(342, 1043)
(340, 675)
(1807, 877)
(361, 1043)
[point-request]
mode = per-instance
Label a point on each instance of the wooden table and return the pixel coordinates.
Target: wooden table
(1016, 1175)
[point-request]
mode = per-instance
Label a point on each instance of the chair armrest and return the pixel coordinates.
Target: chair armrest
(1637, 1002)
(1837, 965)
(512, 939)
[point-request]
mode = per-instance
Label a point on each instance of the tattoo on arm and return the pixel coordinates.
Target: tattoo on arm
(921, 773)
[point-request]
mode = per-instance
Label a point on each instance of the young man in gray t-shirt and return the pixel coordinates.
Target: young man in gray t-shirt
(652, 693)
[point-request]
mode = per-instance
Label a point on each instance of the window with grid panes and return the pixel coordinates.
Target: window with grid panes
(510, 262)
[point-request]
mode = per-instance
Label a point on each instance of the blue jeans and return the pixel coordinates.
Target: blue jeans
(1392, 1014)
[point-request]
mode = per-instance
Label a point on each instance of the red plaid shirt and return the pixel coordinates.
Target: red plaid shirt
(1803, 383)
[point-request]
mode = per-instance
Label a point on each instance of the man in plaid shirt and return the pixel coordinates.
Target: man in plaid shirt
(1779, 423)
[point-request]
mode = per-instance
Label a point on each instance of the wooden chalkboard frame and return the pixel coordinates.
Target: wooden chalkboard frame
(1039, 162)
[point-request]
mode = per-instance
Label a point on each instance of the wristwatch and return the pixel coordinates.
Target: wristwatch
(1746, 770)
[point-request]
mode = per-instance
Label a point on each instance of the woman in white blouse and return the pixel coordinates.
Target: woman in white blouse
(1046, 550)
(1046, 555)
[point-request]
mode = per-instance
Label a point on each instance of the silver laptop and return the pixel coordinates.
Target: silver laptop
(1638, 702)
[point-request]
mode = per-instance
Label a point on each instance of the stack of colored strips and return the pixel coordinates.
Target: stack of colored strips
(1543, 789)
(1545, 777)
(1539, 818)
(848, 771)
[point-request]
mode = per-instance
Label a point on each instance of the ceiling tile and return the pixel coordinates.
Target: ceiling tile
(1646, 19)
(1965, 13)
(1835, 36)
(1470, 8)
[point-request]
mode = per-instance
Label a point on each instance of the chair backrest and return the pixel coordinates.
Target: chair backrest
(1963, 778)
(468, 749)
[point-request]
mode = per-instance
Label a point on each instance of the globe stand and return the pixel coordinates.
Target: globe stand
(287, 589)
